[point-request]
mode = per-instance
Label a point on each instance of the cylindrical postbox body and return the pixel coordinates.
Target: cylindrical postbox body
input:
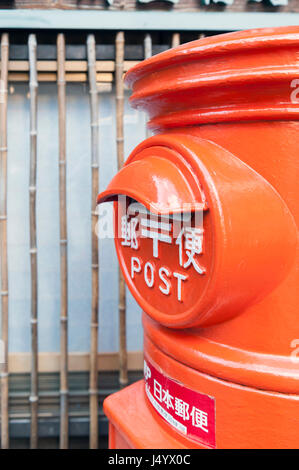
(220, 299)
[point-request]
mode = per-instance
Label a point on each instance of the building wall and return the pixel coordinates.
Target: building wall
(177, 5)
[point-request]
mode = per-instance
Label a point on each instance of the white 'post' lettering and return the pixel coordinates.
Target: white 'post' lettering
(180, 278)
(135, 266)
(149, 282)
(162, 273)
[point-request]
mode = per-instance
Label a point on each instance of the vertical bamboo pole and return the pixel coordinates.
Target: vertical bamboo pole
(64, 424)
(148, 52)
(33, 247)
(148, 48)
(119, 70)
(175, 40)
(3, 239)
(94, 124)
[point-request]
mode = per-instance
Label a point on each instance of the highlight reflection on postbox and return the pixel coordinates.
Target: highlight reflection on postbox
(163, 256)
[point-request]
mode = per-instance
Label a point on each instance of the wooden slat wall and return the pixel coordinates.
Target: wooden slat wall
(97, 74)
(77, 361)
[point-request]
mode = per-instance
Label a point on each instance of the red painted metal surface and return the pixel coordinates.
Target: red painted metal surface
(221, 315)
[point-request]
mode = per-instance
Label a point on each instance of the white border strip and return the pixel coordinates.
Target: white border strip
(142, 20)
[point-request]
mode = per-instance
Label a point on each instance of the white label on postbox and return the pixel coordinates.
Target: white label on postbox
(187, 411)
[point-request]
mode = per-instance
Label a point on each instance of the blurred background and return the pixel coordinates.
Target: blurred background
(72, 334)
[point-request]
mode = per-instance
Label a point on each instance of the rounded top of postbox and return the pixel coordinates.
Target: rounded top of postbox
(244, 75)
(227, 43)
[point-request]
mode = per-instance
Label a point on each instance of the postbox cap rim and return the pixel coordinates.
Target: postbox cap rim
(209, 46)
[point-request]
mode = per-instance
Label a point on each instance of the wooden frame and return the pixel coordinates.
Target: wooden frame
(48, 362)
(71, 66)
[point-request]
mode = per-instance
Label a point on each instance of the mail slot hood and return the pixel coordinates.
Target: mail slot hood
(159, 178)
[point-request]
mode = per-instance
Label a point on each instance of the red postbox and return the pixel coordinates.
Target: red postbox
(206, 236)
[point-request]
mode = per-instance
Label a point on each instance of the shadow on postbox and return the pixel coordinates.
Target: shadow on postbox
(200, 236)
